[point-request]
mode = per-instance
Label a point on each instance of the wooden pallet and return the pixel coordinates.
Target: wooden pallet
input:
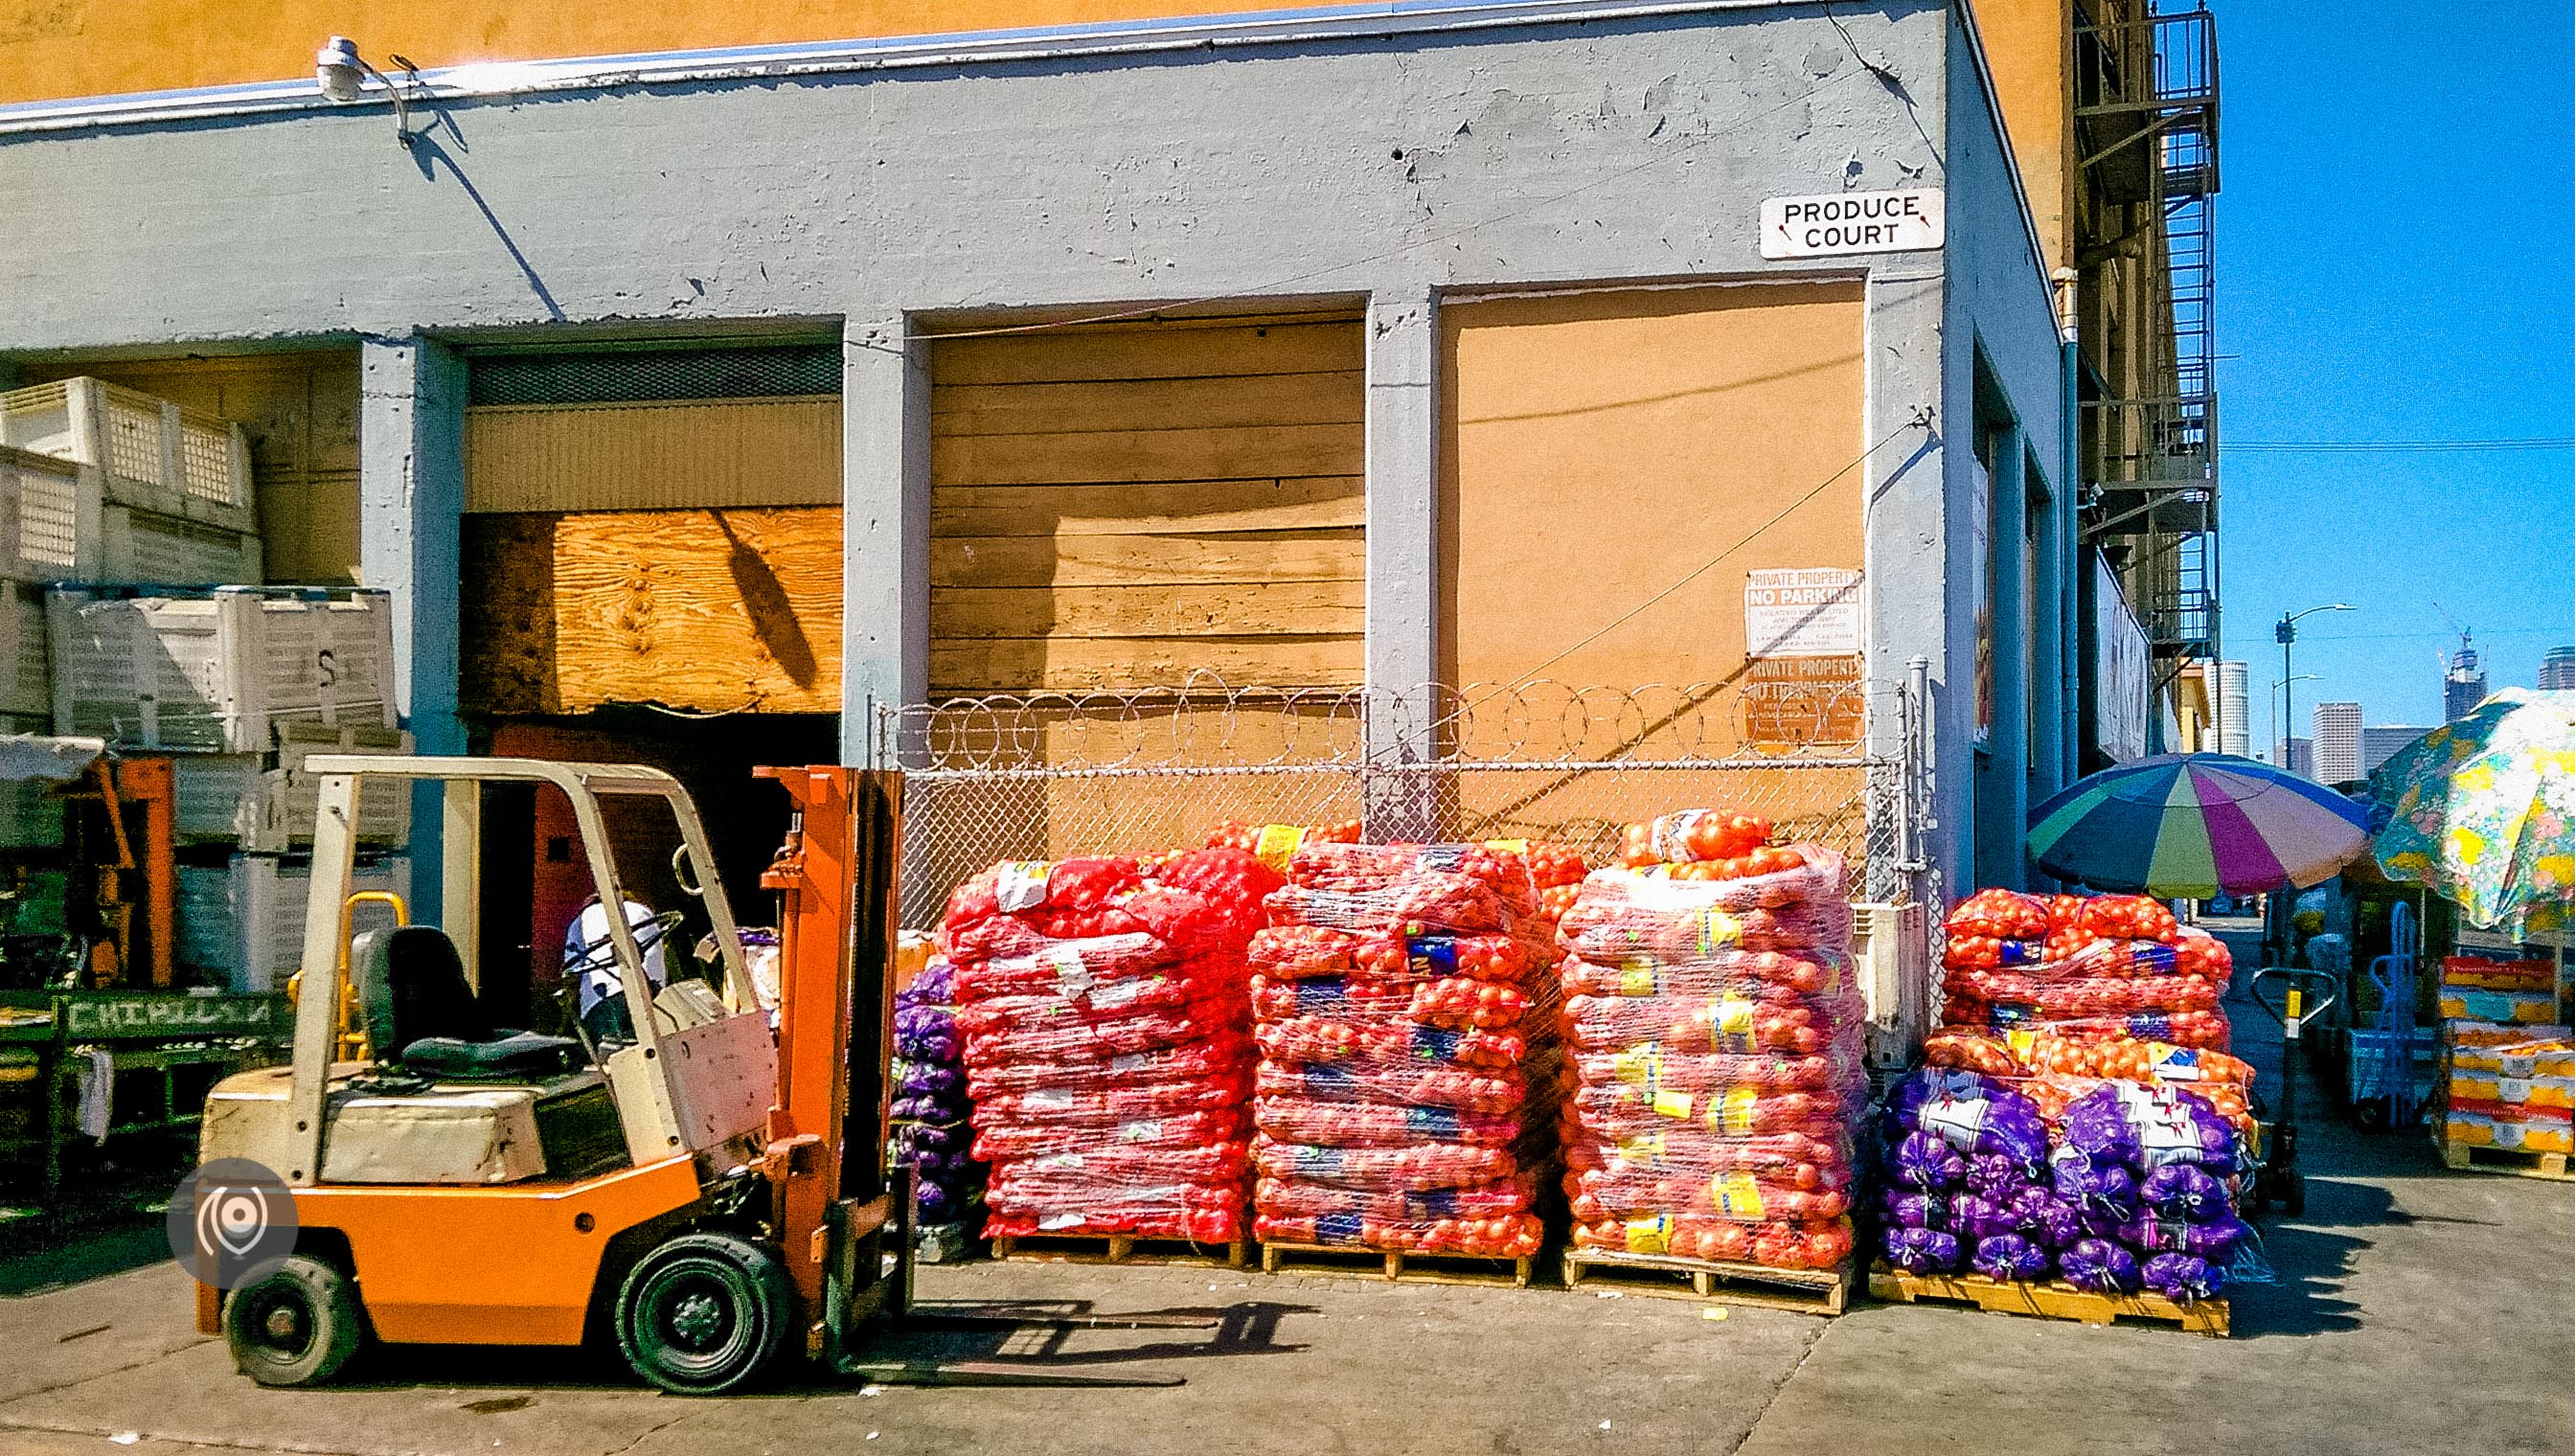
(1800, 1292)
(1397, 1267)
(2055, 1299)
(1120, 1249)
(2474, 1157)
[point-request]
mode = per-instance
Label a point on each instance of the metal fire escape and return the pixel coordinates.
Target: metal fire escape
(2146, 118)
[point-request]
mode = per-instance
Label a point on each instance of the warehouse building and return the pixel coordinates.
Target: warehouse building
(702, 403)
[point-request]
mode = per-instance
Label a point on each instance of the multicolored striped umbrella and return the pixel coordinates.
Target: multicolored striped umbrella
(2190, 825)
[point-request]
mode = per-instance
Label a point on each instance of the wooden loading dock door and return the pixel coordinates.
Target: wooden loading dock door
(652, 574)
(1126, 504)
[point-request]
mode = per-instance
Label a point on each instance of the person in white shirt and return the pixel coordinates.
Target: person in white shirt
(590, 957)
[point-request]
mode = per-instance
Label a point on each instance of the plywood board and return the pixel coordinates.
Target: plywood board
(1331, 397)
(708, 611)
(1230, 453)
(1279, 556)
(1184, 349)
(666, 454)
(1025, 664)
(1264, 610)
(1160, 509)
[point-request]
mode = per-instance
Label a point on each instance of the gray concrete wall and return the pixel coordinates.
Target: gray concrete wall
(1389, 169)
(1997, 309)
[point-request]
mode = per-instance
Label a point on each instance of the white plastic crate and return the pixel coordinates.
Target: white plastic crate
(30, 816)
(267, 803)
(242, 922)
(139, 490)
(220, 671)
(26, 678)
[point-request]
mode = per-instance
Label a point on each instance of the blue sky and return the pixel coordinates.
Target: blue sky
(2396, 261)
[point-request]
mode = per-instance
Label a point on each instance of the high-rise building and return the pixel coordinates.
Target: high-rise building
(2557, 670)
(2337, 743)
(2234, 712)
(2298, 757)
(2380, 743)
(2463, 687)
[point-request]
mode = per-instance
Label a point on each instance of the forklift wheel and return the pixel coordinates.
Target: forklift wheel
(704, 1313)
(297, 1325)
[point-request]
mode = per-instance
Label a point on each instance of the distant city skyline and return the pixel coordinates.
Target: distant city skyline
(2336, 732)
(2380, 742)
(2557, 670)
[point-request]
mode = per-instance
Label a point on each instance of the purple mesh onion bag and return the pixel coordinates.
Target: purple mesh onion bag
(1922, 1250)
(2009, 1257)
(1977, 1218)
(938, 1201)
(2185, 1190)
(2214, 1240)
(1923, 1160)
(2099, 1266)
(1912, 1211)
(1972, 1114)
(2184, 1278)
(1996, 1176)
(2148, 1128)
(2045, 1219)
(926, 1080)
(937, 983)
(2095, 1186)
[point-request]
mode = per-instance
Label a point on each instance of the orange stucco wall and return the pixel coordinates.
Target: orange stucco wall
(2029, 46)
(1599, 448)
(64, 48)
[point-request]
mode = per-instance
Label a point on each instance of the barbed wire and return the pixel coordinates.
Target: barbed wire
(1205, 722)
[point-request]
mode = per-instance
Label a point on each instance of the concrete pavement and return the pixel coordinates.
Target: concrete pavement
(2418, 1310)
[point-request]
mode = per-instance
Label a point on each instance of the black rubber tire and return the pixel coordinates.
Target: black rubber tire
(296, 1325)
(705, 1313)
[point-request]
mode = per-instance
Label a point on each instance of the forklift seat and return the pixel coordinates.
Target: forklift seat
(422, 1015)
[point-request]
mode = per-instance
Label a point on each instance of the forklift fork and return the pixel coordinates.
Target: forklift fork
(894, 1315)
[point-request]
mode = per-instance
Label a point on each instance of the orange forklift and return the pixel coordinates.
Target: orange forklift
(712, 1195)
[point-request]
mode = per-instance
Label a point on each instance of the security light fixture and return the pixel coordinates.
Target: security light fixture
(343, 75)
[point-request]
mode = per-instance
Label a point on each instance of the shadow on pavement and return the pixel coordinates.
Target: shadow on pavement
(1246, 1327)
(93, 1253)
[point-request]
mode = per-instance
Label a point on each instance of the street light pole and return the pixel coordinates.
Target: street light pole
(2280, 745)
(2287, 632)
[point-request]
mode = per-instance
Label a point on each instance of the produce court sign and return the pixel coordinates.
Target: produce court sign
(1833, 224)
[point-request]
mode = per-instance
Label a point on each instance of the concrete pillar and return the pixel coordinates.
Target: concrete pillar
(2047, 652)
(411, 505)
(1402, 464)
(884, 530)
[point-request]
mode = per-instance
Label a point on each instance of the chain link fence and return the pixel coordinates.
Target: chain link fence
(1045, 775)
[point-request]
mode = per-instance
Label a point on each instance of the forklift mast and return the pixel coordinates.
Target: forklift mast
(835, 878)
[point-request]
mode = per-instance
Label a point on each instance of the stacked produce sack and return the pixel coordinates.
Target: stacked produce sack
(1103, 1023)
(929, 1124)
(2096, 1020)
(2511, 1064)
(2131, 1189)
(2068, 991)
(1715, 1032)
(1407, 1059)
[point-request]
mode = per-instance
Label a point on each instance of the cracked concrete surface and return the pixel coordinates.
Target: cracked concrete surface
(2417, 1310)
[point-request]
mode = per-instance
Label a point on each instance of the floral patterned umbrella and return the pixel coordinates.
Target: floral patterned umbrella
(2484, 812)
